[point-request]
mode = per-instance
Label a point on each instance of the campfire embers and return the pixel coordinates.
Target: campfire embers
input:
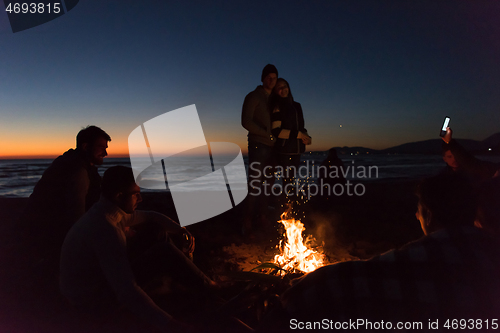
(297, 255)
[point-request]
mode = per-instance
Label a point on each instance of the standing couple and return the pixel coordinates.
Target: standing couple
(276, 137)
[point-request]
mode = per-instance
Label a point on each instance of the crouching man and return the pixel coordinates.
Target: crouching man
(450, 273)
(96, 274)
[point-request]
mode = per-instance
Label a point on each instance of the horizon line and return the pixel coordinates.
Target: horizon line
(41, 157)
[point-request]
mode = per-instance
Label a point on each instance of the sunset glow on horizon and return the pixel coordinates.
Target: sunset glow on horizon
(385, 79)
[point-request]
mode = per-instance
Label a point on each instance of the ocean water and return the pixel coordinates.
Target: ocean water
(18, 177)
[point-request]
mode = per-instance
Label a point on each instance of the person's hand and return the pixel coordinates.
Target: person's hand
(306, 139)
(447, 137)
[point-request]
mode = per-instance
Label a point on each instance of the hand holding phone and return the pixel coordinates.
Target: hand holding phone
(446, 124)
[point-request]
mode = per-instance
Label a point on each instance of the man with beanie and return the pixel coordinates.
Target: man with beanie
(255, 118)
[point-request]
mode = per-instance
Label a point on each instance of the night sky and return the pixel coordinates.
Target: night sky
(387, 71)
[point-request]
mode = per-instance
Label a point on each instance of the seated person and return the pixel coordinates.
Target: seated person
(331, 171)
(452, 272)
(96, 275)
(462, 162)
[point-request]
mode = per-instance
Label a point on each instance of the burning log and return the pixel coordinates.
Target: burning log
(270, 278)
(297, 255)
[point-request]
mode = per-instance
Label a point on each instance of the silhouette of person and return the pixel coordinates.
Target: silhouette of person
(461, 162)
(288, 128)
(452, 271)
(256, 119)
(97, 275)
(330, 171)
(67, 189)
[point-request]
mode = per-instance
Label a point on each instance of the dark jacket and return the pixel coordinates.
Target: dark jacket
(255, 116)
(288, 116)
(67, 189)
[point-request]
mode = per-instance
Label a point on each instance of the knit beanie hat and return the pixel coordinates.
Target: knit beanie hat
(268, 70)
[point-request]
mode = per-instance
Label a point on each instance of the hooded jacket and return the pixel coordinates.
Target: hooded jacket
(255, 116)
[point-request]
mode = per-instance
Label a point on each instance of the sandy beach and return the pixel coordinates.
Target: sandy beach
(350, 227)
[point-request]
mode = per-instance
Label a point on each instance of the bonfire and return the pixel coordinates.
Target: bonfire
(295, 254)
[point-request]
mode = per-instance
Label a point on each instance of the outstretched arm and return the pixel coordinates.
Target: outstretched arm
(170, 226)
(466, 160)
(462, 156)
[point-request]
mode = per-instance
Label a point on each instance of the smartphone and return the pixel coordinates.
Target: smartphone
(445, 124)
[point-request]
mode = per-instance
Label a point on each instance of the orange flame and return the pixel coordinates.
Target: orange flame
(295, 254)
